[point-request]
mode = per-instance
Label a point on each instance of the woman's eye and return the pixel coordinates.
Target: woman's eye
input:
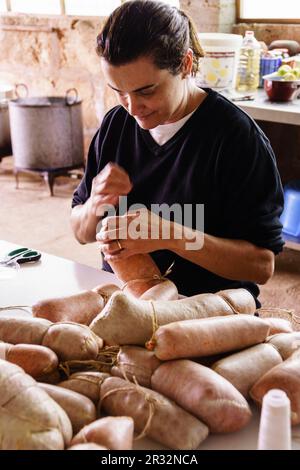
(146, 93)
(140, 93)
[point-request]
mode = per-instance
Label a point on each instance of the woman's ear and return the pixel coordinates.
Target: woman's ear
(187, 64)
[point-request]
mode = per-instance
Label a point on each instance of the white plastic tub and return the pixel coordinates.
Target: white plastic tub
(218, 67)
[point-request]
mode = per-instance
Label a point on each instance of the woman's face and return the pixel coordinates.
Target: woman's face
(151, 95)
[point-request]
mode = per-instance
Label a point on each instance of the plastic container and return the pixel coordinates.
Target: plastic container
(290, 217)
(249, 64)
(218, 67)
(268, 64)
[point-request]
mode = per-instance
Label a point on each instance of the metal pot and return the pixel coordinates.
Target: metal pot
(5, 142)
(46, 132)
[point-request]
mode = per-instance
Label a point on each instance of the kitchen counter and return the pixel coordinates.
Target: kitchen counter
(264, 110)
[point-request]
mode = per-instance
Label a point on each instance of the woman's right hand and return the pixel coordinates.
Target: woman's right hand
(111, 183)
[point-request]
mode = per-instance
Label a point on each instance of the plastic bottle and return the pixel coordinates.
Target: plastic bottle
(249, 64)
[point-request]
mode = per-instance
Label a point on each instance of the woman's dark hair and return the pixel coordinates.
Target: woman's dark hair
(149, 28)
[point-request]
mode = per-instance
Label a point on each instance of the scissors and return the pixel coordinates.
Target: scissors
(22, 255)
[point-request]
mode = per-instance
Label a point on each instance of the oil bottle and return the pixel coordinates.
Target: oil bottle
(249, 64)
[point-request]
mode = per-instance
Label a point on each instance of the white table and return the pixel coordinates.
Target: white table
(264, 110)
(53, 276)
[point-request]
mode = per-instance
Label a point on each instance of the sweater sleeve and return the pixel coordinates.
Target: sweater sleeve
(83, 190)
(252, 194)
(95, 159)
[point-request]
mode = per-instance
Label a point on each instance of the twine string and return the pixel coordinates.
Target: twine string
(151, 401)
(104, 361)
(150, 345)
(158, 277)
(68, 366)
(90, 380)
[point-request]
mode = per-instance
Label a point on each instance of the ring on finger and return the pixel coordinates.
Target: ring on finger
(119, 245)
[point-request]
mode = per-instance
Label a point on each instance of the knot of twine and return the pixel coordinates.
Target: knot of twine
(150, 345)
(105, 360)
(158, 277)
(150, 400)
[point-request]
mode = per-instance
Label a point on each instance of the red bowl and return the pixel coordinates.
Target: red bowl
(278, 89)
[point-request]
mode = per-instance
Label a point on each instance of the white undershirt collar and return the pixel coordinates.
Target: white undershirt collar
(161, 134)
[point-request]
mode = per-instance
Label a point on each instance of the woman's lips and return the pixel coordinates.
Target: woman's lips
(144, 117)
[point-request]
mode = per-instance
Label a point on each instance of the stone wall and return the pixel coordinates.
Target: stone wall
(269, 32)
(52, 54)
(211, 15)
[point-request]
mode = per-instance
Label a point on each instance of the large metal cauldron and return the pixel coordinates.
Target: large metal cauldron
(46, 132)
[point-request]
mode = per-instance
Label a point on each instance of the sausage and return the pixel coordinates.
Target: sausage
(165, 290)
(203, 393)
(34, 359)
(154, 415)
(113, 432)
(278, 325)
(72, 341)
(126, 320)
(87, 446)
(80, 409)
(136, 363)
(285, 343)
(79, 308)
(86, 383)
(141, 276)
(244, 368)
(285, 376)
(208, 336)
(29, 418)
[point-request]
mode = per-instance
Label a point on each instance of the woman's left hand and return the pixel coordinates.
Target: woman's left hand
(135, 232)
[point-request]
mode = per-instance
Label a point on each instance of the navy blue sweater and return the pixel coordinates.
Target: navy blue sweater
(219, 158)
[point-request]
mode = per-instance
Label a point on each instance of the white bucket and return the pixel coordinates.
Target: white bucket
(219, 66)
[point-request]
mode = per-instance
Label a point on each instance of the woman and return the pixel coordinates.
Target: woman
(172, 142)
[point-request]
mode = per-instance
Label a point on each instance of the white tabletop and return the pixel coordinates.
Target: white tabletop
(264, 110)
(54, 276)
(51, 276)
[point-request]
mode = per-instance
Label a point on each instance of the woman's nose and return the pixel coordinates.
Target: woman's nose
(133, 105)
